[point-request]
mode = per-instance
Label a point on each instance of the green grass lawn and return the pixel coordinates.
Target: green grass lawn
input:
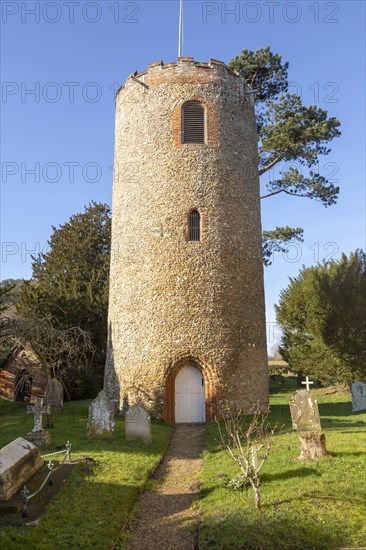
(319, 505)
(91, 509)
(308, 506)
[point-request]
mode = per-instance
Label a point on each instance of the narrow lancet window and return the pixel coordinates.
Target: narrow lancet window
(194, 226)
(193, 122)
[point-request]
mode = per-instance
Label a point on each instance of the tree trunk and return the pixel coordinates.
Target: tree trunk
(257, 495)
(49, 418)
(312, 445)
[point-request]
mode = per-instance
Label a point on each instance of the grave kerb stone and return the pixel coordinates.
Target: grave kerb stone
(19, 461)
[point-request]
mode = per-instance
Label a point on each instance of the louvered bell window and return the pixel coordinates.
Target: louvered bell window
(194, 226)
(193, 122)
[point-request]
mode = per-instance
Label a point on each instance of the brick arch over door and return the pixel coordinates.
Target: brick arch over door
(211, 385)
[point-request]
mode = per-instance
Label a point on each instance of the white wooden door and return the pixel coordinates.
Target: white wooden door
(190, 396)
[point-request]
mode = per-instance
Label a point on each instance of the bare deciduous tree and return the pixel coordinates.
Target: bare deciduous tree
(56, 348)
(247, 439)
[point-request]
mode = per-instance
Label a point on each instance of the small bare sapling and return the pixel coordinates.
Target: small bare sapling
(247, 439)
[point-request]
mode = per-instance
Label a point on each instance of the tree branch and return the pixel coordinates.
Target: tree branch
(269, 166)
(271, 194)
(295, 194)
(283, 191)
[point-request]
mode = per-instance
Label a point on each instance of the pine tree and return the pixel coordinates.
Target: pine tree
(288, 131)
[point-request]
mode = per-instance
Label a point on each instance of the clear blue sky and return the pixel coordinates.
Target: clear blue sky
(75, 54)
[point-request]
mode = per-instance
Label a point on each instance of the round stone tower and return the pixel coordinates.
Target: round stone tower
(186, 309)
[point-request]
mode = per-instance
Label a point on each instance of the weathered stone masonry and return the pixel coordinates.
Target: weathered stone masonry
(173, 301)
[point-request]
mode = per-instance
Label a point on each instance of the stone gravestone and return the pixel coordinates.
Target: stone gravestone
(101, 417)
(54, 395)
(138, 424)
(39, 437)
(305, 412)
(19, 461)
(358, 390)
(306, 421)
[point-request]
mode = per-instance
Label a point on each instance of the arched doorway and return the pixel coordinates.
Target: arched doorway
(23, 386)
(190, 404)
(208, 391)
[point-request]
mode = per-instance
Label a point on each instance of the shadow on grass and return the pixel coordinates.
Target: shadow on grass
(333, 415)
(70, 425)
(330, 414)
(299, 472)
(357, 453)
(280, 389)
(85, 514)
(272, 529)
(336, 408)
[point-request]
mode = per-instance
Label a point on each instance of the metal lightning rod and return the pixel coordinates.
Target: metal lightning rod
(180, 45)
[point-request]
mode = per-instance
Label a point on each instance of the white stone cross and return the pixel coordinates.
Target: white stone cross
(307, 383)
(37, 409)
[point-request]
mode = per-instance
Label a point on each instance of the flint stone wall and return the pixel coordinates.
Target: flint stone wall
(173, 301)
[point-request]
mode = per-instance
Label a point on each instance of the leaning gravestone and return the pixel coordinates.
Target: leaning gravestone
(305, 412)
(138, 424)
(306, 421)
(39, 437)
(358, 390)
(101, 417)
(19, 461)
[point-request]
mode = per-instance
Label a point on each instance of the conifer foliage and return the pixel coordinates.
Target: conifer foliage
(69, 284)
(322, 316)
(292, 138)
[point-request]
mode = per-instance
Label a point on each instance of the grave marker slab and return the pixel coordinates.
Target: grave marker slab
(37, 409)
(306, 420)
(358, 390)
(138, 424)
(305, 412)
(101, 417)
(39, 437)
(19, 461)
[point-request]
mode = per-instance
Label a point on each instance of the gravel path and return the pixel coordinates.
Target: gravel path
(165, 511)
